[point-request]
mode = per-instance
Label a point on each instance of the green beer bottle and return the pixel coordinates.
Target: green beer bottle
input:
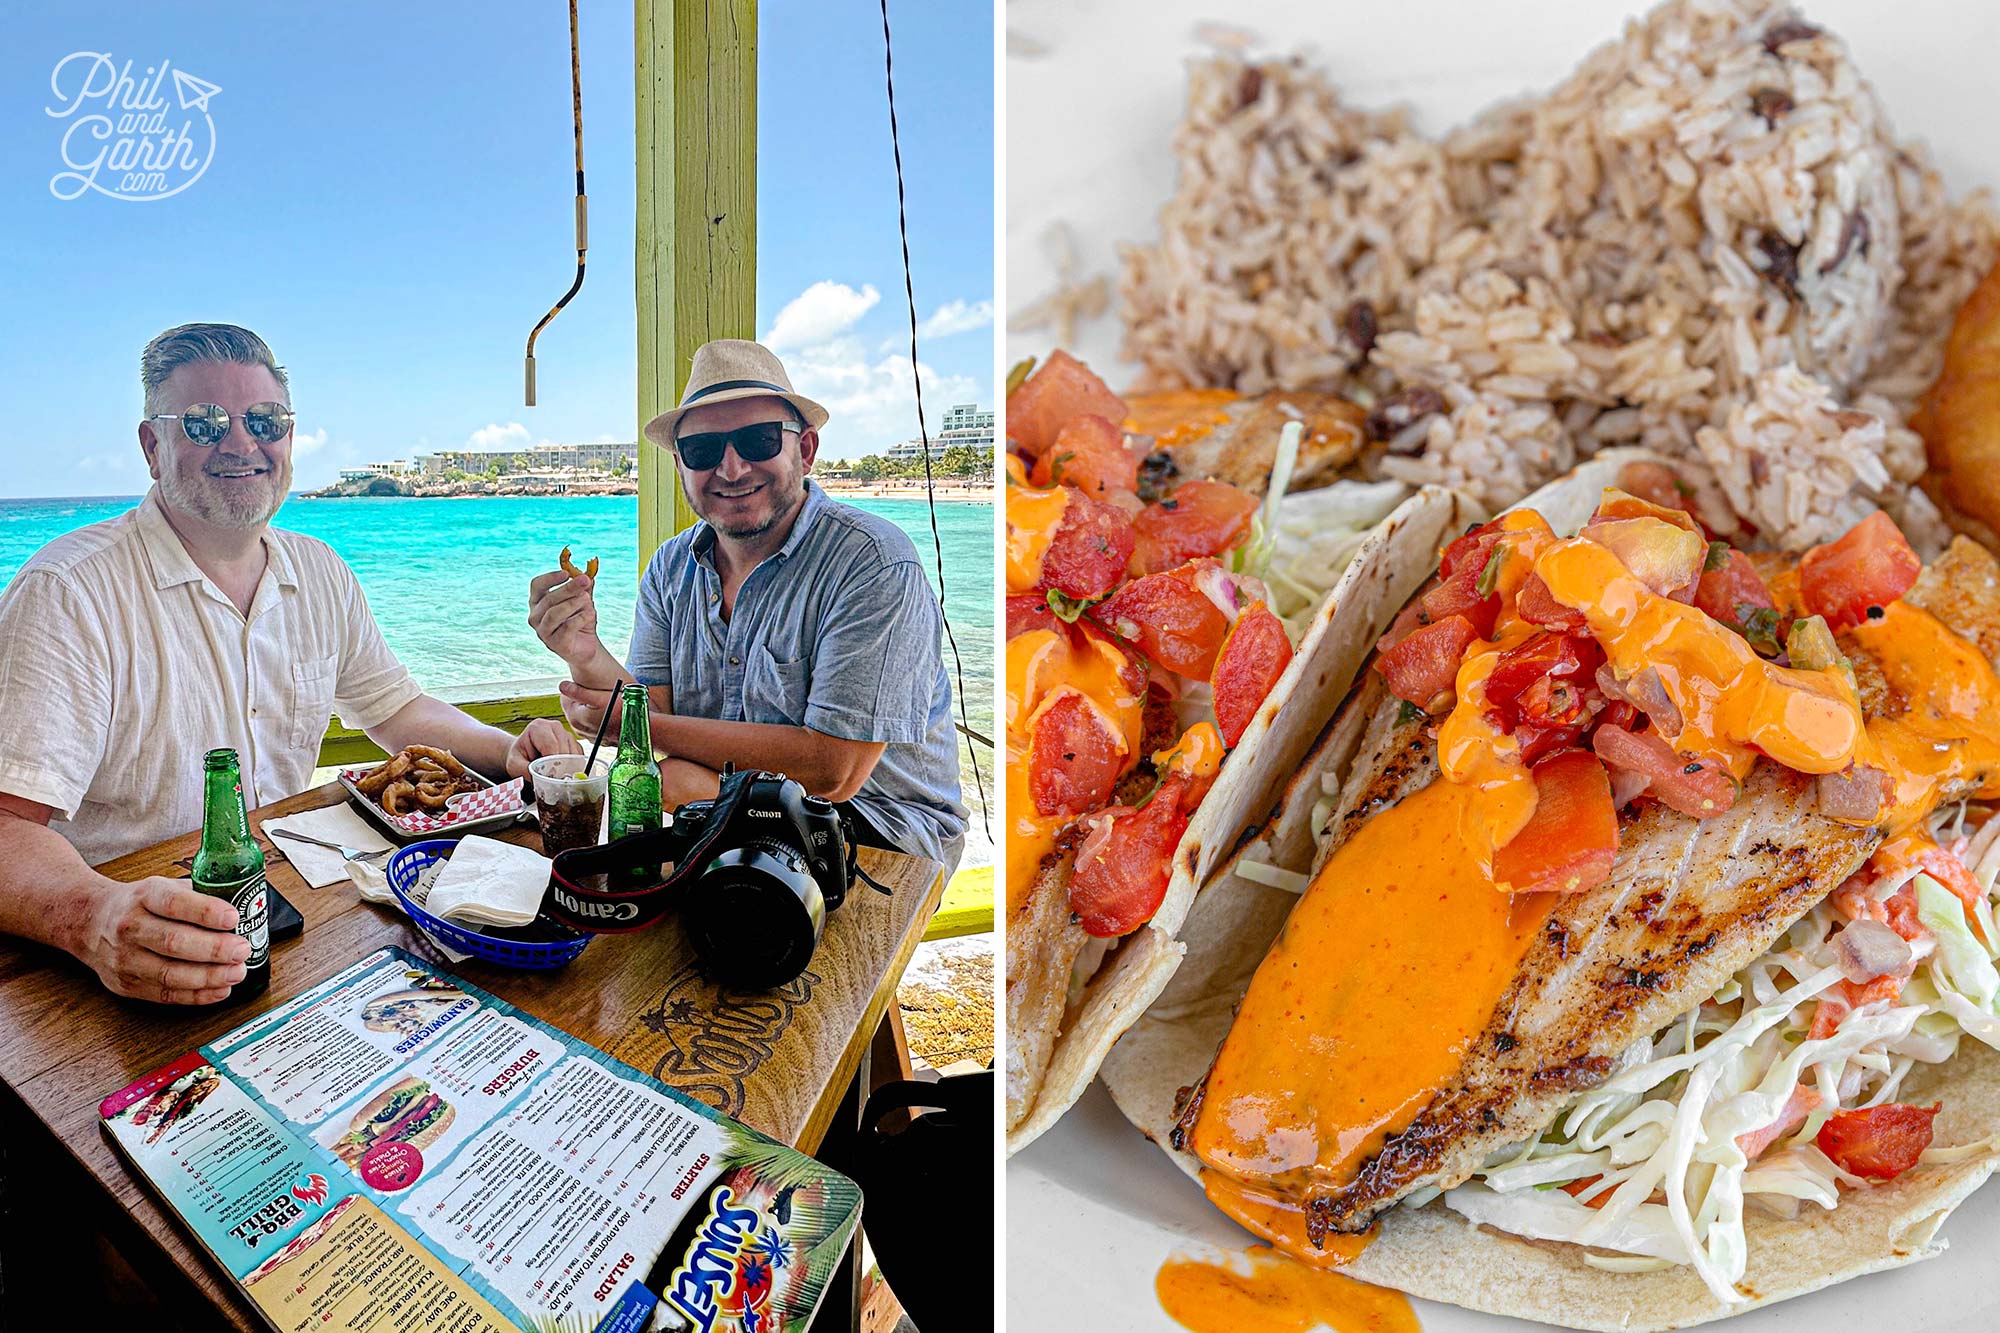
(230, 866)
(635, 774)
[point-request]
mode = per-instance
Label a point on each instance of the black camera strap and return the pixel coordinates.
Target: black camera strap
(578, 899)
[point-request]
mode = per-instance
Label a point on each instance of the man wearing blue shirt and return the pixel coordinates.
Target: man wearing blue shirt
(785, 631)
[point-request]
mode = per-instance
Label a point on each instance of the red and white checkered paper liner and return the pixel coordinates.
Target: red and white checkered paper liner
(500, 799)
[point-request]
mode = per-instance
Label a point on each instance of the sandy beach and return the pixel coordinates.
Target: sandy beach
(948, 492)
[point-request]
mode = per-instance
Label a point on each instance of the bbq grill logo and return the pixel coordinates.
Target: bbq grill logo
(312, 1189)
(124, 136)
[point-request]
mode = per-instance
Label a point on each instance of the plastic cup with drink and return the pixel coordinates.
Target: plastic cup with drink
(569, 802)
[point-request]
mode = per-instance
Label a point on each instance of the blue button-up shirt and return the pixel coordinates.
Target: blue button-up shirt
(839, 632)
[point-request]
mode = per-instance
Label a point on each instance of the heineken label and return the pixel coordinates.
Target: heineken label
(253, 919)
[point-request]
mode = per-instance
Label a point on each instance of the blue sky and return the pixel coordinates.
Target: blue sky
(388, 201)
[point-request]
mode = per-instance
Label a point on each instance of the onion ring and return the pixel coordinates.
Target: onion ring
(442, 758)
(374, 781)
(398, 792)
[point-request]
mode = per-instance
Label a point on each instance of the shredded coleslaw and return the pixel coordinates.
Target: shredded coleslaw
(1301, 543)
(1655, 1171)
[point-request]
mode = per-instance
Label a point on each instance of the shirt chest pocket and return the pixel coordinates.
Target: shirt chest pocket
(775, 690)
(310, 702)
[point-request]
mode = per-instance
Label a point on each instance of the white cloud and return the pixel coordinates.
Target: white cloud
(822, 311)
(873, 403)
(956, 317)
(306, 442)
(513, 435)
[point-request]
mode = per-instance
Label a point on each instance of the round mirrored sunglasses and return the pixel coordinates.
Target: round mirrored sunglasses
(208, 424)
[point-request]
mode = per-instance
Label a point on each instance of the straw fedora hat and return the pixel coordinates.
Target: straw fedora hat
(728, 369)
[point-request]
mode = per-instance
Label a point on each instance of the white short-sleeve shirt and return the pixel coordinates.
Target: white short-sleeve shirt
(121, 664)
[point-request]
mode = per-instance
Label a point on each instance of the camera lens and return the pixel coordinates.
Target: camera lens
(754, 916)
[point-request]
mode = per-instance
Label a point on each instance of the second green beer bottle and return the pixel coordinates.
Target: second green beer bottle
(635, 774)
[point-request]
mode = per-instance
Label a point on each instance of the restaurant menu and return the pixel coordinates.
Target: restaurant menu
(397, 1150)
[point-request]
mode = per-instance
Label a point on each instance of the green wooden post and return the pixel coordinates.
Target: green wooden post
(696, 230)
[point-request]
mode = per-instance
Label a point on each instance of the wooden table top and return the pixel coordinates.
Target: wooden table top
(779, 1061)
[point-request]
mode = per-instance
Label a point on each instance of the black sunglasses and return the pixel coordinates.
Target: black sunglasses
(758, 442)
(207, 424)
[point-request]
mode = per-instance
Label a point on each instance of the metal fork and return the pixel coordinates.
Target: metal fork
(346, 853)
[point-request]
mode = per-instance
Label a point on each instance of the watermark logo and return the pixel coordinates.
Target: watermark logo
(129, 136)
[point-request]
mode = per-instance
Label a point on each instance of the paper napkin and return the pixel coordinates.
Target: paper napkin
(321, 866)
(490, 883)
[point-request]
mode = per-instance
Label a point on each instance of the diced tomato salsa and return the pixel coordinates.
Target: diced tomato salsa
(1074, 757)
(1871, 566)
(1254, 655)
(1571, 841)
(1424, 665)
(1538, 606)
(1692, 787)
(1029, 611)
(1729, 594)
(1089, 553)
(1118, 886)
(1200, 518)
(1560, 666)
(1169, 619)
(1089, 453)
(1061, 389)
(1878, 1142)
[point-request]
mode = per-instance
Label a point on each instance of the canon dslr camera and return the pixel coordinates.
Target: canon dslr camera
(755, 871)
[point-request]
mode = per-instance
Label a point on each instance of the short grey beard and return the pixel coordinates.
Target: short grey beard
(205, 504)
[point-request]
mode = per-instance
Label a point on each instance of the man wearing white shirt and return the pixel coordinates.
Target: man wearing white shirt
(130, 647)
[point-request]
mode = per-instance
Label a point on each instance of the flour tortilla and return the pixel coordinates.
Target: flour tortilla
(1391, 563)
(1438, 1254)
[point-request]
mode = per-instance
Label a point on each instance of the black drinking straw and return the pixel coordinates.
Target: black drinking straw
(602, 723)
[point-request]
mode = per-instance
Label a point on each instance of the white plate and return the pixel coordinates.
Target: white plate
(1092, 1208)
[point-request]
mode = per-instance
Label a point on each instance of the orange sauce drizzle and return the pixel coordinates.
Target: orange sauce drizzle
(1276, 1296)
(1177, 416)
(1033, 515)
(1733, 703)
(1043, 666)
(1389, 966)
(1951, 729)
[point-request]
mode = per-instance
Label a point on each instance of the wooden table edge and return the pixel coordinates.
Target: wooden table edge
(813, 1131)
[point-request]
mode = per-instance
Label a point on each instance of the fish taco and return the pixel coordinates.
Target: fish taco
(1621, 953)
(1169, 638)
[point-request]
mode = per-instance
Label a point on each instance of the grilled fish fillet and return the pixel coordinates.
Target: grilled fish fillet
(1237, 441)
(1042, 948)
(1689, 903)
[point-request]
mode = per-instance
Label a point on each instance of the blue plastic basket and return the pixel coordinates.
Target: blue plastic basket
(531, 955)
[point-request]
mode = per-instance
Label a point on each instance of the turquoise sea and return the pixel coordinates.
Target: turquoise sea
(448, 579)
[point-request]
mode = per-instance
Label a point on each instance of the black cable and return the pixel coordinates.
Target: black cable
(923, 431)
(582, 203)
